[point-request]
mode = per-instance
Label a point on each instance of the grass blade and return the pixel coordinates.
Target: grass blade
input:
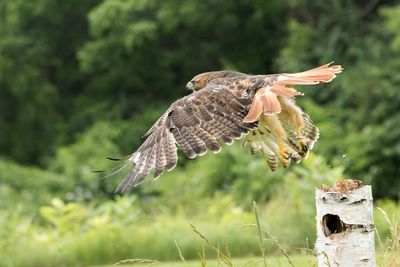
(262, 248)
(180, 252)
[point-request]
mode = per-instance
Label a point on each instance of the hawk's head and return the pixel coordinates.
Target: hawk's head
(201, 80)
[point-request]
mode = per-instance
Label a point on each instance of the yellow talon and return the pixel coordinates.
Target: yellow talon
(285, 154)
(302, 148)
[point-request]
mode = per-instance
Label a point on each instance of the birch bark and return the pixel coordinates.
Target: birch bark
(345, 226)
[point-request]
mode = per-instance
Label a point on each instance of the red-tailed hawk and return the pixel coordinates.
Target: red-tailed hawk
(227, 105)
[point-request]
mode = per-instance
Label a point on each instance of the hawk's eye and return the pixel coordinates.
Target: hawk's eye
(193, 82)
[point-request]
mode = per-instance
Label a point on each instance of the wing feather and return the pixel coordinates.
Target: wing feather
(195, 123)
(214, 127)
(196, 143)
(310, 131)
(161, 160)
(183, 143)
(172, 156)
(209, 140)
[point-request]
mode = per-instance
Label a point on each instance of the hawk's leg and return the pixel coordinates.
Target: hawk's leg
(293, 114)
(274, 125)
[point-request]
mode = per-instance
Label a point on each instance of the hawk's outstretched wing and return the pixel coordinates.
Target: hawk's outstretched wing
(224, 106)
(196, 123)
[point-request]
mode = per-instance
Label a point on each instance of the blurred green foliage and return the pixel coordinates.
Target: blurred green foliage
(83, 80)
(70, 233)
(65, 67)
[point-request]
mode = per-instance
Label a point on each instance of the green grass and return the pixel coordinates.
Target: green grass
(85, 234)
(275, 261)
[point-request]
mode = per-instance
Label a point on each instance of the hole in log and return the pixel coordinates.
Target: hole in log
(332, 224)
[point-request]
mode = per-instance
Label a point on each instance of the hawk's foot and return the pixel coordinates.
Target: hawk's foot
(302, 147)
(285, 153)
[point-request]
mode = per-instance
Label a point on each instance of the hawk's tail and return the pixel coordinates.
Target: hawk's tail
(322, 74)
(265, 100)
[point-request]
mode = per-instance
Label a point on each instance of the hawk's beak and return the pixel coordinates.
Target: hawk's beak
(190, 86)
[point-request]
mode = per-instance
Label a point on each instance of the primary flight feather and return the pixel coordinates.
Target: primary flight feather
(227, 105)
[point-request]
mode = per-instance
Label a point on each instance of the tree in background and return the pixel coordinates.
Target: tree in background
(39, 75)
(69, 68)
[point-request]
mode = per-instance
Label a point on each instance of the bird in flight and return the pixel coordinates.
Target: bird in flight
(229, 105)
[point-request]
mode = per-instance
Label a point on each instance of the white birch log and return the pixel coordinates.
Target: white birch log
(345, 226)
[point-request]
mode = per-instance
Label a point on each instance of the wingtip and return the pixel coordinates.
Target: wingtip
(120, 190)
(118, 158)
(171, 166)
